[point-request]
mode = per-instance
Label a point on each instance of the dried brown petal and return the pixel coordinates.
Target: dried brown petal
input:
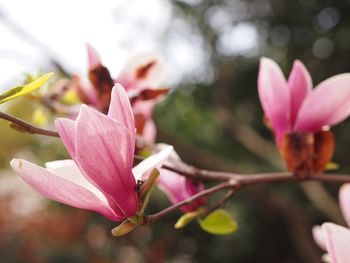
(307, 153)
(324, 149)
(103, 84)
(142, 71)
(140, 122)
(149, 94)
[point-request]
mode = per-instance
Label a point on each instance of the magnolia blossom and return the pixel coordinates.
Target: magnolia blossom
(140, 73)
(333, 238)
(293, 106)
(300, 116)
(100, 176)
(179, 188)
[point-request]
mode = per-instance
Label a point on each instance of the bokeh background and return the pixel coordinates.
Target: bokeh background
(211, 52)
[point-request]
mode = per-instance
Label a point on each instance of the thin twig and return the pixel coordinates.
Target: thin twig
(237, 182)
(155, 217)
(30, 128)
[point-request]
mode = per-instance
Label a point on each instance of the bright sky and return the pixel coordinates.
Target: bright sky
(117, 29)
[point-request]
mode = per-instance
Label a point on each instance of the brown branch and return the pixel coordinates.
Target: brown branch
(26, 126)
(155, 217)
(237, 182)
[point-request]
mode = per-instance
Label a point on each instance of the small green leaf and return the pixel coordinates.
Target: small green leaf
(219, 222)
(22, 90)
(185, 219)
(331, 166)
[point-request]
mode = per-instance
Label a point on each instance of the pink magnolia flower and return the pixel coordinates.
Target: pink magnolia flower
(293, 106)
(100, 177)
(300, 115)
(333, 238)
(179, 188)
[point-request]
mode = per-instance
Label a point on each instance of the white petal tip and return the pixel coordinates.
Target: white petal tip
(117, 85)
(16, 164)
(168, 150)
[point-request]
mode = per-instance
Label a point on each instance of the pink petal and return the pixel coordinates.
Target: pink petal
(337, 242)
(318, 234)
(173, 185)
(94, 59)
(68, 170)
(142, 170)
(59, 189)
(328, 104)
(144, 107)
(274, 96)
(66, 130)
(344, 201)
(150, 131)
(300, 85)
(105, 155)
(90, 93)
(120, 109)
(128, 77)
(192, 188)
(179, 188)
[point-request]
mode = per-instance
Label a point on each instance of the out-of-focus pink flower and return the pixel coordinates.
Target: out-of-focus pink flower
(300, 116)
(93, 57)
(333, 238)
(100, 177)
(179, 188)
(144, 70)
(140, 76)
(294, 106)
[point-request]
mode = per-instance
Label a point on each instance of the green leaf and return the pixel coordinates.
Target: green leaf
(22, 90)
(185, 219)
(219, 222)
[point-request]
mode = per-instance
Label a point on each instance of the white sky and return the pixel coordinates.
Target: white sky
(65, 26)
(118, 29)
